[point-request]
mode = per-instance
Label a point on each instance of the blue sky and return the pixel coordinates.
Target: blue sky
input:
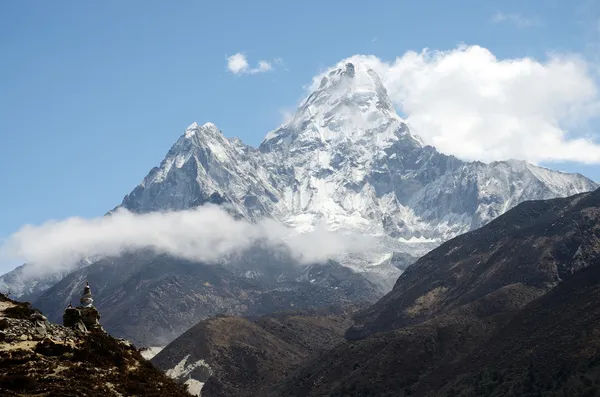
(93, 94)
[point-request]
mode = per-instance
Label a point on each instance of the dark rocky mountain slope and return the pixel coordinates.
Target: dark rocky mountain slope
(150, 299)
(509, 309)
(531, 248)
(550, 348)
(235, 356)
(513, 313)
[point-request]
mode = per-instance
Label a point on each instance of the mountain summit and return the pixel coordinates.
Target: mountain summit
(351, 106)
(348, 161)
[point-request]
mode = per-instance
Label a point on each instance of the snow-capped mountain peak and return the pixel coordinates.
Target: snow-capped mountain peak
(346, 161)
(351, 106)
(208, 129)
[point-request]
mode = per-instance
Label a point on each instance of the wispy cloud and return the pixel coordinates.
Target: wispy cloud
(516, 19)
(238, 65)
(206, 234)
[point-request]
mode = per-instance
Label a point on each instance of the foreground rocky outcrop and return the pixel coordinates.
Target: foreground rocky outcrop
(38, 358)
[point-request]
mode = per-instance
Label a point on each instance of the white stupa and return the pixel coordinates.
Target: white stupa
(86, 299)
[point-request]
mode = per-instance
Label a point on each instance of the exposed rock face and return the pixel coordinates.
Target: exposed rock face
(63, 362)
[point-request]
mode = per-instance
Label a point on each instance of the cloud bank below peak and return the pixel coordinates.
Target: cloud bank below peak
(469, 103)
(205, 234)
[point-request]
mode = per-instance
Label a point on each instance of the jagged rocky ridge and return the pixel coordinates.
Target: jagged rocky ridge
(506, 310)
(348, 161)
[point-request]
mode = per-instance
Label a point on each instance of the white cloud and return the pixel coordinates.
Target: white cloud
(263, 66)
(238, 65)
(516, 19)
(471, 104)
(206, 234)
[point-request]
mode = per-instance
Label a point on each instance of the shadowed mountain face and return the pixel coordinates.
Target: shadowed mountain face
(150, 299)
(509, 309)
(551, 348)
(234, 356)
(536, 245)
(481, 322)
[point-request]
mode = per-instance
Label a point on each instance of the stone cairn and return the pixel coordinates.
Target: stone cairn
(84, 317)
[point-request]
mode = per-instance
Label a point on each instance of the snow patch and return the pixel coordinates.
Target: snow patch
(184, 370)
(194, 387)
(149, 352)
(418, 240)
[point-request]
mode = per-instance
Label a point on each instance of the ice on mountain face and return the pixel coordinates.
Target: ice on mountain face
(348, 162)
(560, 183)
(204, 166)
(351, 106)
(26, 281)
(194, 387)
